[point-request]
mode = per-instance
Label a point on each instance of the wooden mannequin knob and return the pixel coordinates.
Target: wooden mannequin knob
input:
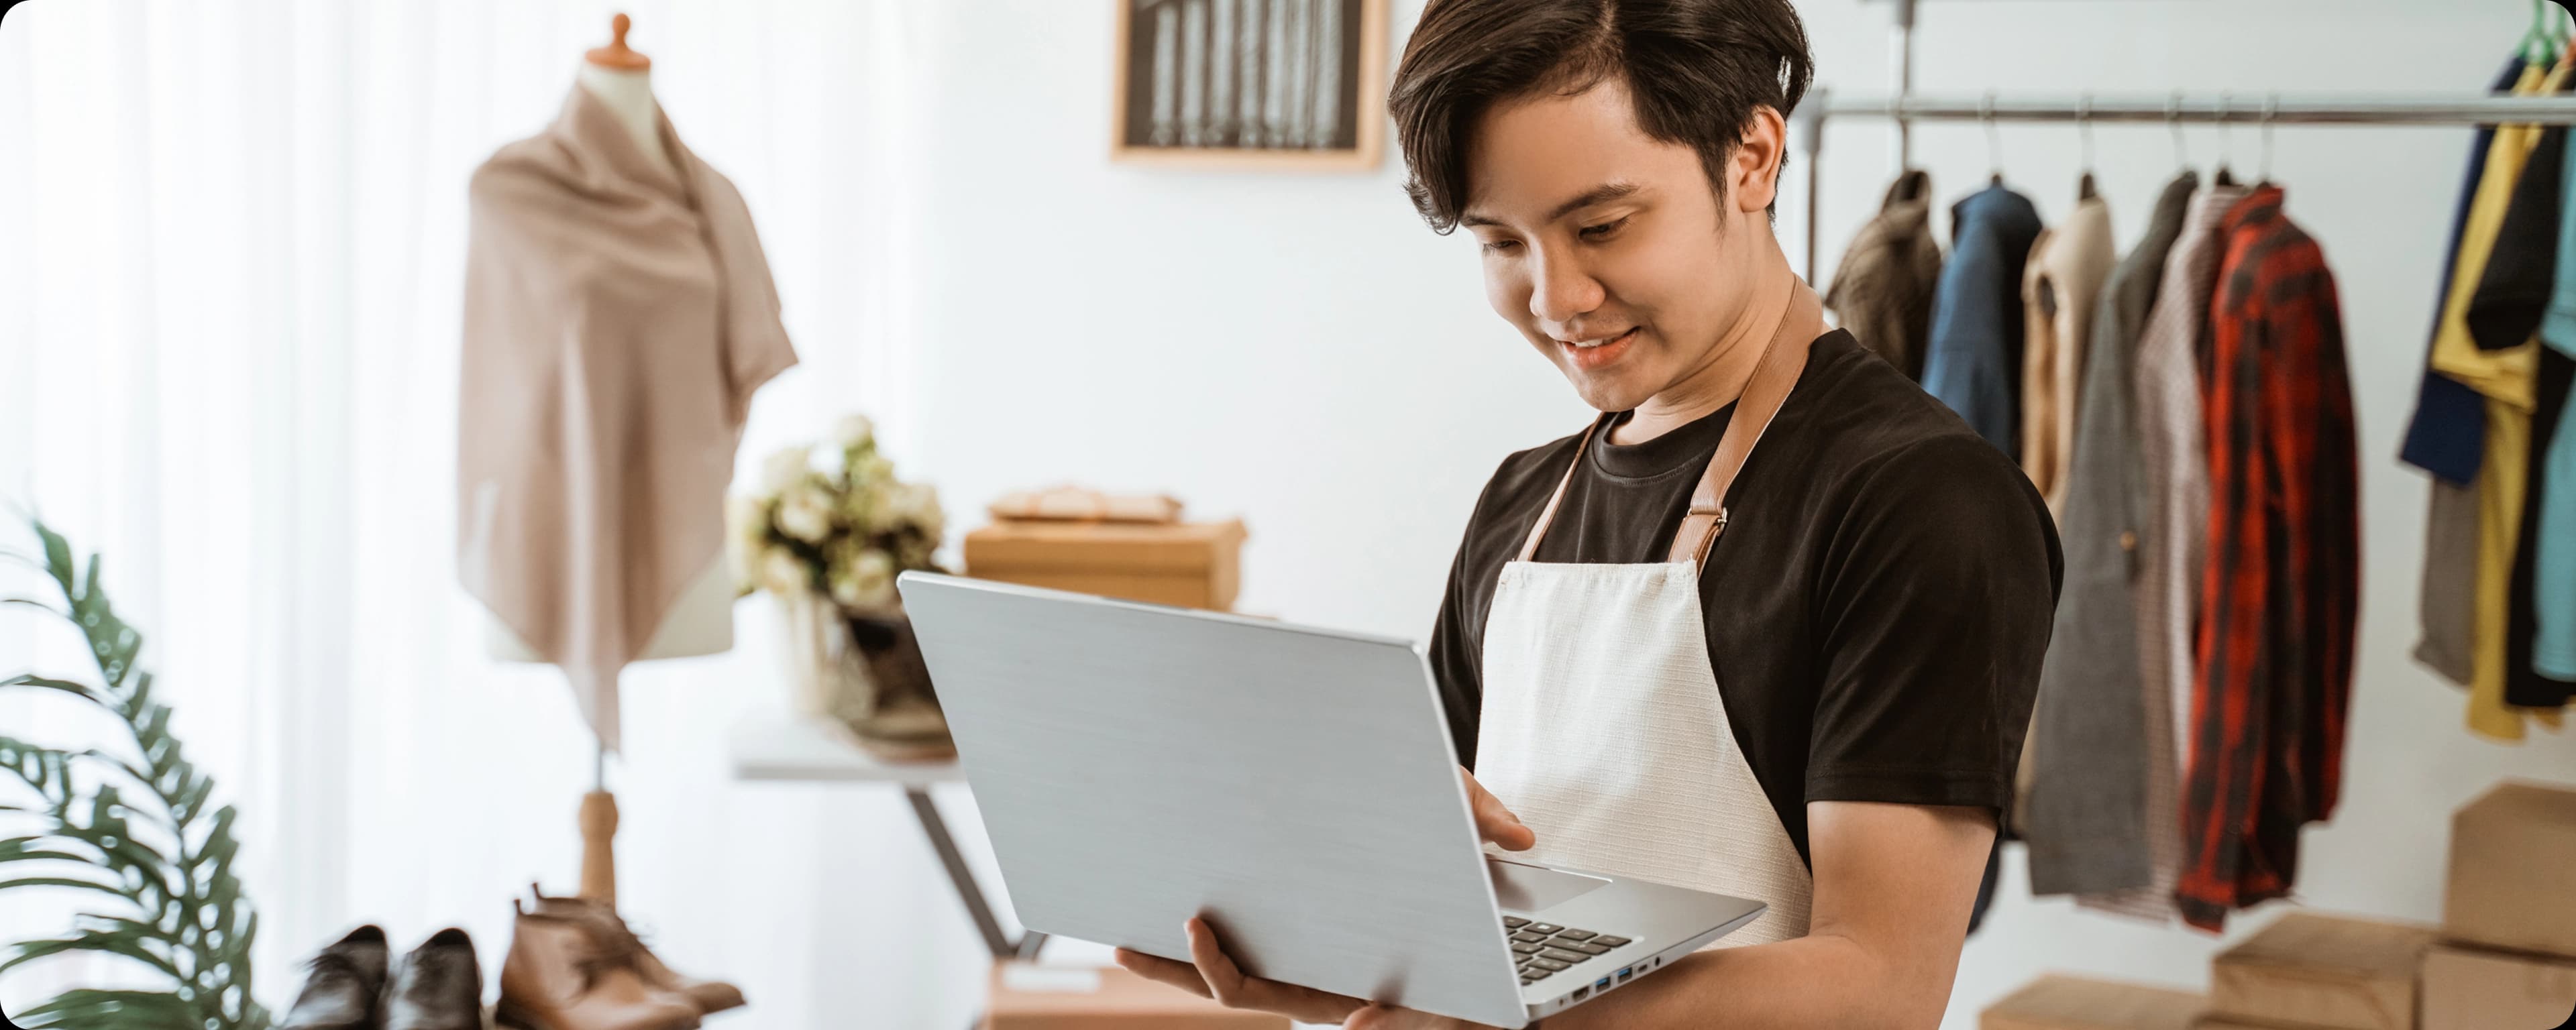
(615, 54)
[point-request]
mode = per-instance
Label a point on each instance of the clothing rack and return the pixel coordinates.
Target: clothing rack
(2262, 110)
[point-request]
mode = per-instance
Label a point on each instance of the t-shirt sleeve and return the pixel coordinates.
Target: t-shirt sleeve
(1454, 665)
(1934, 604)
(1458, 635)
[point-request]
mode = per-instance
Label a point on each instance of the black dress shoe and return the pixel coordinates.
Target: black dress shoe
(439, 987)
(341, 990)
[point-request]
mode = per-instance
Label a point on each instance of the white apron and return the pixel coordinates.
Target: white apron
(1602, 727)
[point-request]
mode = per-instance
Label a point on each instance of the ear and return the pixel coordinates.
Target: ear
(1753, 173)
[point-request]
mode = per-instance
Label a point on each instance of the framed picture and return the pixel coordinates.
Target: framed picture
(1251, 83)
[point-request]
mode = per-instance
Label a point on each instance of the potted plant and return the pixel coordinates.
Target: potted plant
(826, 534)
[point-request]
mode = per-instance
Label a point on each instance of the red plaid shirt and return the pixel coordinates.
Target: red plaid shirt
(2281, 590)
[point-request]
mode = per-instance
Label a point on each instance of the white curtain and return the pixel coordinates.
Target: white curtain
(230, 270)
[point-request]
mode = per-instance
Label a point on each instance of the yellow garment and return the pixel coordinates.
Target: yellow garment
(2505, 377)
(2502, 478)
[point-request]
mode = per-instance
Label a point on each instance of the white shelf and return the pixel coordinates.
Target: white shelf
(785, 748)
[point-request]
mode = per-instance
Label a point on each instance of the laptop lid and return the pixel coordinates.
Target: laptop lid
(1136, 765)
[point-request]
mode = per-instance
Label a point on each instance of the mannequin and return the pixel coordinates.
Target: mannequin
(701, 618)
(700, 621)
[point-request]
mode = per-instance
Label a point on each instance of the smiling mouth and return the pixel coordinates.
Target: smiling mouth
(1591, 354)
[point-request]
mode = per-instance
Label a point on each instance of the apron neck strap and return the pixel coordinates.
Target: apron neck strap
(1783, 359)
(1773, 376)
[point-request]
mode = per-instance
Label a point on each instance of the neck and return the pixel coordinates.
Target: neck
(1720, 379)
(629, 96)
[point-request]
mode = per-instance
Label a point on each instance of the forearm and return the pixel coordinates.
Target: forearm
(1818, 982)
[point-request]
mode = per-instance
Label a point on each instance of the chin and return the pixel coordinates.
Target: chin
(1607, 393)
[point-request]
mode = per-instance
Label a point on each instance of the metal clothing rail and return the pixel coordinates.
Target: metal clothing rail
(2274, 108)
(2264, 110)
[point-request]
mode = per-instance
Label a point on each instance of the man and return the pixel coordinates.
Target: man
(1808, 683)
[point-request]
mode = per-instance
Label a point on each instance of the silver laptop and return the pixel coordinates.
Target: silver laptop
(1137, 765)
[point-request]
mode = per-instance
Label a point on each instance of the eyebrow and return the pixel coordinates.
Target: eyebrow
(1601, 194)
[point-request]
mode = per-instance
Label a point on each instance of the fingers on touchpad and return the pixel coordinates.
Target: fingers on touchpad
(1521, 887)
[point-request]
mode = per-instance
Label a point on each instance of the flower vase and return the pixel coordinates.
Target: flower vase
(843, 678)
(902, 720)
(821, 660)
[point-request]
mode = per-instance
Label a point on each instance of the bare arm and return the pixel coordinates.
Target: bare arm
(1894, 884)
(1893, 887)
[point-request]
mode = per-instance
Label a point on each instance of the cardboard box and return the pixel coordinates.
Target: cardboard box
(2309, 970)
(2467, 989)
(2075, 1003)
(1034, 997)
(1188, 564)
(2510, 886)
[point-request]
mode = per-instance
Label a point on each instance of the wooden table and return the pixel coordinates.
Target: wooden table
(788, 748)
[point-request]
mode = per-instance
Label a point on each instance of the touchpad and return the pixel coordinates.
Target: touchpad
(1521, 887)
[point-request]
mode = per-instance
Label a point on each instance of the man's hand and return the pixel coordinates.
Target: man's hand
(1494, 822)
(1210, 973)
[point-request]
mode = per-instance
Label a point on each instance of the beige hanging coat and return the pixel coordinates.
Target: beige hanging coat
(617, 320)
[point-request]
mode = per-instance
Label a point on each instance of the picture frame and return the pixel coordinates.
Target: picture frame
(1250, 84)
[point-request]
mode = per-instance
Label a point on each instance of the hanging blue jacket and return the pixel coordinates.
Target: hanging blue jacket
(2448, 434)
(1973, 360)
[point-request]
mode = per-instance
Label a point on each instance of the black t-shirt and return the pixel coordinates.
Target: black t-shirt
(1877, 606)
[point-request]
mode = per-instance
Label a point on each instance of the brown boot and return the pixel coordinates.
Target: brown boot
(711, 996)
(562, 976)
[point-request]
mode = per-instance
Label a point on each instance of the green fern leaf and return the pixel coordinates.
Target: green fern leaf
(103, 941)
(80, 690)
(114, 1010)
(63, 881)
(184, 914)
(58, 556)
(34, 848)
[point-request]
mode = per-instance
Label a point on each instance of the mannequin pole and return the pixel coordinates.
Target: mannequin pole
(599, 836)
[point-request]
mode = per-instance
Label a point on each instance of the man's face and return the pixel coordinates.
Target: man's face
(1607, 248)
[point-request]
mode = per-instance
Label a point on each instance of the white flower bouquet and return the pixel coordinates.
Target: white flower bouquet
(832, 520)
(826, 534)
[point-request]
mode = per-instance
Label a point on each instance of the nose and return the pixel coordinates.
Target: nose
(1561, 289)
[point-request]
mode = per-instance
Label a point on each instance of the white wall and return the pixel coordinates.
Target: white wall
(1301, 351)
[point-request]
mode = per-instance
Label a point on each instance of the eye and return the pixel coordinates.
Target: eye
(1499, 246)
(1604, 230)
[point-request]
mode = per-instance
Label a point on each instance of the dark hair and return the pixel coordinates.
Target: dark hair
(1697, 69)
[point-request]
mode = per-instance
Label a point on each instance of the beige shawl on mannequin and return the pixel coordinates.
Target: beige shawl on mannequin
(617, 320)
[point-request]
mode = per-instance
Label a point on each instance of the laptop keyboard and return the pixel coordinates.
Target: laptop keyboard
(1544, 949)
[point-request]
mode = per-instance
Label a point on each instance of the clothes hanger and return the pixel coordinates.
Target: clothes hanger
(2173, 123)
(2225, 176)
(1994, 140)
(616, 54)
(2563, 39)
(2271, 106)
(2535, 40)
(2084, 126)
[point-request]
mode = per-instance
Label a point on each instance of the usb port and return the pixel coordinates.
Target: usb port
(1603, 984)
(1623, 974)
